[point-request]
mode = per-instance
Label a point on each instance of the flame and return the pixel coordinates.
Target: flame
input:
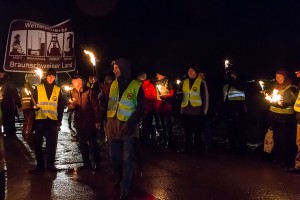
(92, 57)
(67, 88)
(227, 63)
(39, 72)
(178, 81)
(159, 87)
(274, 97)
(261, 83)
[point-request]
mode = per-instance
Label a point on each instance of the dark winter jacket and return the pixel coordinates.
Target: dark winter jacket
(87, 109)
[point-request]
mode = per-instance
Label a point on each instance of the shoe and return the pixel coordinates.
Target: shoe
(124, 195)
(292, 170)
(52, 168)
(37, 169)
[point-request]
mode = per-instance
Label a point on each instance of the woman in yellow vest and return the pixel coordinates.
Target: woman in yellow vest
(193, 105)
(282, 119)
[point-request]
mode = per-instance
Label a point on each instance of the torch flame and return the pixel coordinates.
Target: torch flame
(261, 83)
(159, 88)
(67, 88)
(92, 57)
(227, 63)
(274, 97)
(39, 72)
(178, 82)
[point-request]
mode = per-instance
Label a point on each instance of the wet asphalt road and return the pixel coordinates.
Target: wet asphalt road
(166, 175)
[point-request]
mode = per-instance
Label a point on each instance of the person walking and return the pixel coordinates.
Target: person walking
(10, 102)
(125, 112)
(28, 112)
(86, 120)
(193, 106)
(234, 108)
(48, 119)
(163, 106)
(148, 131)
(296, 167)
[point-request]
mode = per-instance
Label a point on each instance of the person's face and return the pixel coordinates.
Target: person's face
(192, 73)
(280, 78)
(297, 74)
(201, 75)
(2, 74)
(92, 79)
(117, 71)
(159, 76)
(77, 83)
(50, 79)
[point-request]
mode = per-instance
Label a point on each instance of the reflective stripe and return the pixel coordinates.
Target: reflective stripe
(233, 94)
(191, 94)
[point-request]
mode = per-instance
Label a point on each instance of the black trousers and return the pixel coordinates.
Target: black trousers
(45, 128)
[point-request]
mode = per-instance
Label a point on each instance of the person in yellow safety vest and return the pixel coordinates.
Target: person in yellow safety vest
(296, 167)
(48, 117)
(126, 106)
(193, 106)
(28, 112)
(282, 120)
(234, 108)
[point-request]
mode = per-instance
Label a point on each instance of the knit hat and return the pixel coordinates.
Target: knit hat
(51, 71)
(194, 68)
(283, 72)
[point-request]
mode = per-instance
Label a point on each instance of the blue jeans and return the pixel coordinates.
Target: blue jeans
(122, 152)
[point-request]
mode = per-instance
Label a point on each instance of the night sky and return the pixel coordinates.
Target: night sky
(258, 37)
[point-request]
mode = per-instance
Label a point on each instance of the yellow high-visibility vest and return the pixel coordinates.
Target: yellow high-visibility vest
(124, 107)
(297, 103)
(192, 94)
(288, 110)
(233, 94)
(48, 107)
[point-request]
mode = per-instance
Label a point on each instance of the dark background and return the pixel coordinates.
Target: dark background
(258, 37)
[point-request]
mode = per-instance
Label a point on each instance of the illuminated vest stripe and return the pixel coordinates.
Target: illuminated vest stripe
(297, 103)
(48, 108)
(128, 102)
(233, 94)
(288, 110)
(191, 95)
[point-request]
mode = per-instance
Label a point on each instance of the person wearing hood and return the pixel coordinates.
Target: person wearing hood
(282, 120)
(124, 114)
(193, 107)
(48, 116)
(87, 119)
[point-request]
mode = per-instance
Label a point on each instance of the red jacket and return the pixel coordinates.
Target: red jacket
(150, 96)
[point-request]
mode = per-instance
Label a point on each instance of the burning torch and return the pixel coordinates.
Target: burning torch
(39, 72)
(68, 89)
(36, 106)
(92, 59)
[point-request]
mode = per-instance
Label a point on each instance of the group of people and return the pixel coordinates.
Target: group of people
(125, 109)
